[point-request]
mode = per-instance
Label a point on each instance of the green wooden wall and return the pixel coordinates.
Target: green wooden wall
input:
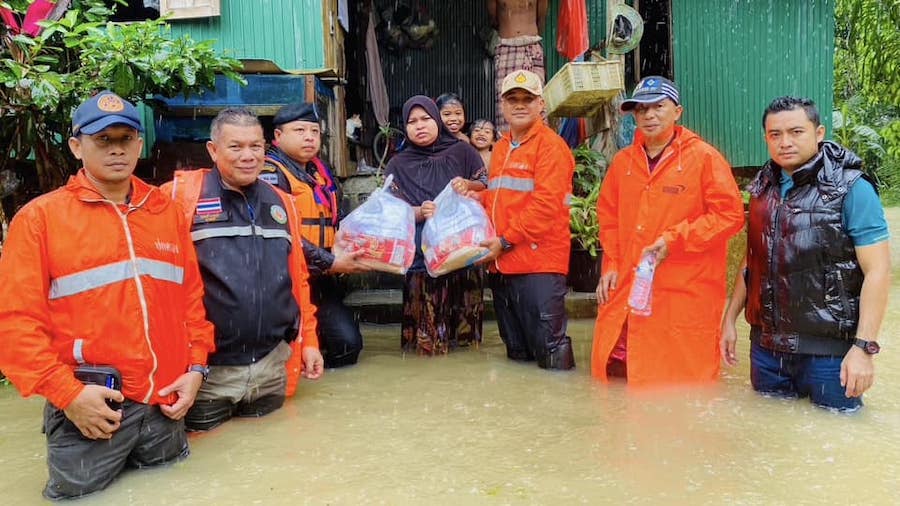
(732, 57)
(289, 33)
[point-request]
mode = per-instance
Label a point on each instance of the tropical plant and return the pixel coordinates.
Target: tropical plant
(864, 139)
(869, 30)
(43, 78)
(867, 87)
(590, 167)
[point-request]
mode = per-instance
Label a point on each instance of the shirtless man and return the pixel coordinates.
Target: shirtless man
(519, 23)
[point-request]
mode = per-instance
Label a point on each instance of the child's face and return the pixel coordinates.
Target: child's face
(453, 116)
(482, 136)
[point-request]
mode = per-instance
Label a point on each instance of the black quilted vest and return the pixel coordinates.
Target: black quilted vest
(803, 279)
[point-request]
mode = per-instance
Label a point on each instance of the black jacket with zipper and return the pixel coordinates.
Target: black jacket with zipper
(243, 242)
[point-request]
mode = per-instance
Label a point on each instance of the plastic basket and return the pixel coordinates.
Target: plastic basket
(579, 87)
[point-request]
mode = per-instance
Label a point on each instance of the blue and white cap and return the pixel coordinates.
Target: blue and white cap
(650, 91)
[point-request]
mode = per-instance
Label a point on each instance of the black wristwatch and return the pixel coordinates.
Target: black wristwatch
(504, 244)
(870, 347)
(202, 369)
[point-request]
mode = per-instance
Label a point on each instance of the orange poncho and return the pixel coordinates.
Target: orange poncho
(692, 200)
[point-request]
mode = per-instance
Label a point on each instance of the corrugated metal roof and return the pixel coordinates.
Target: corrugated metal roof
(289, 33)
(733, 57)
(458, 61)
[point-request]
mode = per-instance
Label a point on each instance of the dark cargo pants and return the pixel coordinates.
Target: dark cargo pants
(339, 338)
(79, 466)
(531, 314)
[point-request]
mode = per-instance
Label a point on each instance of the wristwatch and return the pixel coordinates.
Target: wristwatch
(504, 244)
(870, 347)
(202, 369)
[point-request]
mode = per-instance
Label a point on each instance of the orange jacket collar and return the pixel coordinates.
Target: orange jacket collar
(532, 131)
(85, 190)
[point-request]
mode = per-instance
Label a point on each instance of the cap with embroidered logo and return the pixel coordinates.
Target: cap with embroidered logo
(103, 110)
(522, 79)
(296, 112)
(650, 91)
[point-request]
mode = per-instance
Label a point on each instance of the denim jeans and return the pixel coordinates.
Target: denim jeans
(793, 375)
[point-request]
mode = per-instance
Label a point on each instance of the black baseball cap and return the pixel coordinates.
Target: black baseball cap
(651, 90)
(296, 112)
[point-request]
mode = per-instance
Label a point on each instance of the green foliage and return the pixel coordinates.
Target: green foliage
(873, 133)
(867, 87)
(590, 167)
(870, 31)
(43, 79)
(863, 139)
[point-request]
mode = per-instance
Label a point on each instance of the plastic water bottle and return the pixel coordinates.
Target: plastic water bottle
(642, 289)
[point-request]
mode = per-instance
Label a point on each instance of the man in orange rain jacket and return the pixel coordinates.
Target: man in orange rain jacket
(246, 234)
(529, 182)
(673, 195)
(101, 274)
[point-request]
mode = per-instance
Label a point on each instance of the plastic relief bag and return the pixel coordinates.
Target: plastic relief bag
(451, 238)
(384, 226)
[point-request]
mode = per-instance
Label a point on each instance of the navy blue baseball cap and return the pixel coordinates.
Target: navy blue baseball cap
(102, 110)
(651, 90)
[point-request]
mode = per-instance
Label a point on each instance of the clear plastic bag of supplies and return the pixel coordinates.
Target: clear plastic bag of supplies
(384, 227)
(451, 238)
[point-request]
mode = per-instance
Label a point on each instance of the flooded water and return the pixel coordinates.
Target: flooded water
(475, 428)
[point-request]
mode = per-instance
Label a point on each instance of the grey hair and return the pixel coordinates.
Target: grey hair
(236, 116)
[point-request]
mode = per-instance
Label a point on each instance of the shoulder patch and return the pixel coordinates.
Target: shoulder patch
(278, 214)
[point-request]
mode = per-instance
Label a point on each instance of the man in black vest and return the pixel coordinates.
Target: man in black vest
(817, 268)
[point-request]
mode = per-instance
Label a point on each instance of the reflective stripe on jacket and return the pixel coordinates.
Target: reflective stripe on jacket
(186, 188)
(692, 200)
(527, 199)
(85, 280)
(317, 223)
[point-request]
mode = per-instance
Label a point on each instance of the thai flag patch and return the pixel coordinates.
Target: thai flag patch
(209, 206)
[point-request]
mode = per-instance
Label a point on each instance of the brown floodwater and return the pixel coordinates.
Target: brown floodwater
(475, 428)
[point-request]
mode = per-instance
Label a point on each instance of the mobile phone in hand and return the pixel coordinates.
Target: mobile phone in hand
(104, 376)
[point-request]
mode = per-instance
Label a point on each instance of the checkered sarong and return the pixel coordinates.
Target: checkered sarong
(519, 53)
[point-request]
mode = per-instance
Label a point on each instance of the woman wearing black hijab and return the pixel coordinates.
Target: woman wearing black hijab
(442, 313)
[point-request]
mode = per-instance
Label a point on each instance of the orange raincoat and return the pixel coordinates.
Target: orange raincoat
(692, 200)
(84, 280)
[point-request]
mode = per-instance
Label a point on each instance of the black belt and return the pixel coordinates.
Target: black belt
(802, 344)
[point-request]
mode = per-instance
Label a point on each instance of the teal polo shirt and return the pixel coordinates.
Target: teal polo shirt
(863, 215)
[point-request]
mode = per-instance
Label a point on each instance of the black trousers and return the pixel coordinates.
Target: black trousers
(531, 314)
(339, 338)
(78, 466)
